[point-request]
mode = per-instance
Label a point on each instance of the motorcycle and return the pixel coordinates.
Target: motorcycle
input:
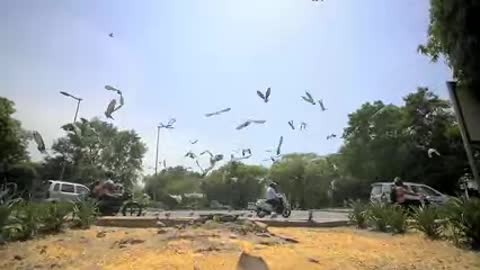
(263, 208)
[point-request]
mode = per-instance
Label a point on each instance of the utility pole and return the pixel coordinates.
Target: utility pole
(156, 154)
(74, 120)
(452, 89)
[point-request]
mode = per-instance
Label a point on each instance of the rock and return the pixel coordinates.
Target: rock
(233, 236)
(160, 224)
(17, 257)
(249, 262)
(162, 231)
(101, 234)
(288, 239)
(261, 225)
(128, 241)
(263, 234)
(312, 260)
(43, 249)
(250, 215)
(54, 265)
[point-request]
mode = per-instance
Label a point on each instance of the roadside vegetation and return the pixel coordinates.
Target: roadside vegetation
(23, 220)
(458, 221)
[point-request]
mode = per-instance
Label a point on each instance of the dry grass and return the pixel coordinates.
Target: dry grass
(342, 248)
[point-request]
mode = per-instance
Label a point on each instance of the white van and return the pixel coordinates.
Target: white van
(65, 191)
(381, 192)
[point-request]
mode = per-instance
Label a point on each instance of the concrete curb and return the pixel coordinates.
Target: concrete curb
(154, 222)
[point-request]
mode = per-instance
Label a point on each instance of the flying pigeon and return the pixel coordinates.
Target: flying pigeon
(218, 112)
(248, 122)
(39, 141)
(73, 128)
(193, 142)
(111, 88)
(290, 123)
(190, 154)
(266, 96)
(110, 35)
(170, 123)
(303, 126)
(245, 151)
(331, 136)
(207, 152)
(308, 98)
(164, 163)
(200, 167)
(279, 147)
(110, 108)
(432, 151)
(320, 102)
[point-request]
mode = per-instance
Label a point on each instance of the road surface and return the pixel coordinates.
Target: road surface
(297, 215)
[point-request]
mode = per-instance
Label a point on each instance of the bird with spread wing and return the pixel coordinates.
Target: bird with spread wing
(218, 112)
(266, 96)
(308, 98)
(248, 122)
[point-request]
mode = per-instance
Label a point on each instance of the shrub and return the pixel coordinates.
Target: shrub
(386, 217)
(52, 216)
(463, 221)
(23, 222)
(358, 214)
(427, 221)
(85, 213)
(377, 216)
(397, 220)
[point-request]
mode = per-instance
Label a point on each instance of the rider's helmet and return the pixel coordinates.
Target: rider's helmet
(273, 185)
(398, 181)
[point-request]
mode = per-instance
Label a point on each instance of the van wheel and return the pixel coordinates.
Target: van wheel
(132, 209)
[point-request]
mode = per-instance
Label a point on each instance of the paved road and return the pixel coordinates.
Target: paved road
(297, 215)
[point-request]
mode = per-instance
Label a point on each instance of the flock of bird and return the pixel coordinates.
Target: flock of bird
(213, 158)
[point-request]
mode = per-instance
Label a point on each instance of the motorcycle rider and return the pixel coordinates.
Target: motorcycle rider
(272, 196)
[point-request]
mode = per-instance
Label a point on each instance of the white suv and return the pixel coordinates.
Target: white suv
(381, 193)
(65, 191)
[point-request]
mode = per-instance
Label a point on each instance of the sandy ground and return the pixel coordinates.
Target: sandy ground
(218, 248)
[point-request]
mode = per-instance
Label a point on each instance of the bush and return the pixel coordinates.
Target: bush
(377, 216)
(427, 220)
(358, 215)
(463, 221)
(386, 217)
(52, 216)
(23, 222)
(85, 213)
(398, 218)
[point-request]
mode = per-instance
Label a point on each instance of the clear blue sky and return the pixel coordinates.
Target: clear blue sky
(185, 58)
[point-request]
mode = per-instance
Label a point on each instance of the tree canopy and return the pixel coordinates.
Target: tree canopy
(454, 33)
(13, 139)
(93, 148)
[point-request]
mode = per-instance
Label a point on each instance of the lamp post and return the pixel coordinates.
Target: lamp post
(74, 120)
(452, 89)
(156, 153)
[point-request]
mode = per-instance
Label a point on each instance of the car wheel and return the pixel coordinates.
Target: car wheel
(286, 213)
(132, 209)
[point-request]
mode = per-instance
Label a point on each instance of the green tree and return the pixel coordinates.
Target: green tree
(235, 184)
(454, 33)
(304, 178)
(94, 148)
(13, 139)
(384, 141)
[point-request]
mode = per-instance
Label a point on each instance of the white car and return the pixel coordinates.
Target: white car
(381, 192)
(65, 191)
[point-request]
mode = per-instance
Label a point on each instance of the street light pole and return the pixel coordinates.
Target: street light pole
(452, 88)
(74, 120)
(156, 154)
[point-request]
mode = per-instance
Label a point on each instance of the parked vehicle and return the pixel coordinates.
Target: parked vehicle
(263, 208)
(65, 191)
(381, 193)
